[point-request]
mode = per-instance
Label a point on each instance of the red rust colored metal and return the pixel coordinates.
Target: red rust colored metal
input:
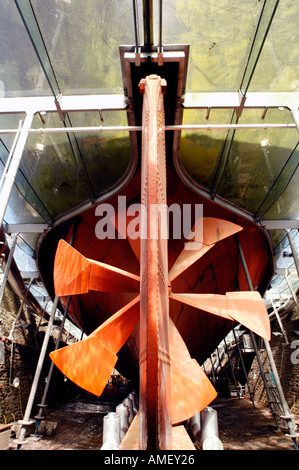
(213, 231)
(191, 390)
(154, 365)
(173, 387)
(89, 363)
(246, 308)
(75, 274)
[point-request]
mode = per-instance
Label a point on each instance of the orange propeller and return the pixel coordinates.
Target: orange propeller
(214, 230)
(89, 363)
(75, 274)
(246, 308)
(191, 390)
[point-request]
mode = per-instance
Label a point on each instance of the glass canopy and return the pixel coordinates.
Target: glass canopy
(242, 78)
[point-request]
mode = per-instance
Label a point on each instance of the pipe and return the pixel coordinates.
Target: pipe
(26, 421)
(174, 127)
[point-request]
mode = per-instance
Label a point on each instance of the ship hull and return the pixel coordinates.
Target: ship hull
(217, 272)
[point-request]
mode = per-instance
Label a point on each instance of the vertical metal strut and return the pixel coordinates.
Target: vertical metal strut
(148, 24)
(26, 421)
(8, 265)
(15, 160)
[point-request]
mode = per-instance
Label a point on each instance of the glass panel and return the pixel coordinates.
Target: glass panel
(49, 165)
(286, 205)
(106, 154)
(278, 65)
(24, 256)
(82, 40)
(220, 35)
(20, 71)
(24, 204)
(257, 157)
(19, 210)
(200, 150)
(9, 121)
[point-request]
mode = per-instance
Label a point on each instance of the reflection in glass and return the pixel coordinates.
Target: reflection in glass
(106, 154)
(200, 150)
(256, 159)
(82, 40)
(284, 204)
(20, 71)
(49, 166)
(220, 35)
(278, 65)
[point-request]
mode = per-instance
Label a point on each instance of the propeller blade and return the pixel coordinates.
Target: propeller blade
(186, 259)
(90, 362)
(249, 309)
(246, 308)
(212, 303)
(87, 363)
(191, 390)
(75, 274)
(214, 230)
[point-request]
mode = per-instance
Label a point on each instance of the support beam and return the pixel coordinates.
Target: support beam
(25, 228)
(42, 405)
(175, 127)
(148, 23)
(26, 420)
(7, 268)
(14, 166)
(280, 224)
(83, 103)
(280, 322)
(232, 100)
(118, 102)
(294, 251)
(19, 311)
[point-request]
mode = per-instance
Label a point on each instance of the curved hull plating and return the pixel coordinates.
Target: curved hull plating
(217, 272)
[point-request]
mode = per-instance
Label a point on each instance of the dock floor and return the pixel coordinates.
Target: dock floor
(80, 425)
